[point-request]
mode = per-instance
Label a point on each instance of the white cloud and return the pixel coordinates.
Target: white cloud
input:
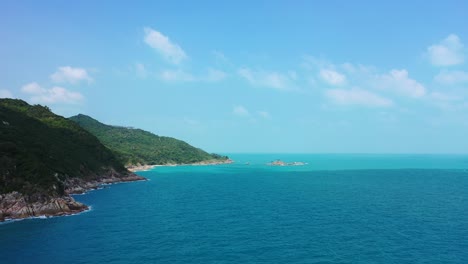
(215, 75)
(53, 95)
(179, 75)
(247, 74)
(332, 77)
(448, 52)
(451, 77)
(32, 88)
(264, 114)
(240, 110)
(176, 76)
(5, 93)
(368, 78)
(357, 68)
(357, 97)
(219, 56)
(71, 75)
(171, 52)
(140, 70)
(313, 63)
(446, 101)
(273, 80)
(399, 82)
(191, 122)
(444, 97)
(292, 75)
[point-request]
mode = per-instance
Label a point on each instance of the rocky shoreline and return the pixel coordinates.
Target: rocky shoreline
(135, 168)
(80, 186)
(15, 205)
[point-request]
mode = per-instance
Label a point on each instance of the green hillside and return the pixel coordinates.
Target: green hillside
(39, 151)
(136, 146)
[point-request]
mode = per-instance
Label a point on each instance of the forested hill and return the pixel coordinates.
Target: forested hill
(139, 147)
(40, 151)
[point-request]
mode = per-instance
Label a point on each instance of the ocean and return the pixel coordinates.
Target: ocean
(335, 209)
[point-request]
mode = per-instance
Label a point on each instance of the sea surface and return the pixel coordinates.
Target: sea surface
(335, 209)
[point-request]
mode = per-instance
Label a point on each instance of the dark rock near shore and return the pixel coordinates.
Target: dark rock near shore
(15, 205)
(79, 186)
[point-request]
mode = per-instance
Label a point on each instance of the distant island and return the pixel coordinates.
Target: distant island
(282, 163)
(45, 157)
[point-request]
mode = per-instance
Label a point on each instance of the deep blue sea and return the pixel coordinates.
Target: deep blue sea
(335, 209)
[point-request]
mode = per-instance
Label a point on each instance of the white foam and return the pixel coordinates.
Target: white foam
(43, 217)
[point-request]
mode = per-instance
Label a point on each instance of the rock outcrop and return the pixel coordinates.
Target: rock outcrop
(282, 163)
(15, 205)
(79, 186)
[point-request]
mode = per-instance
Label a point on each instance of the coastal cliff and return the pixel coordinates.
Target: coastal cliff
(44, 158)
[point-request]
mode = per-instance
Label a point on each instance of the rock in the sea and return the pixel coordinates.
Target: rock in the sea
(282, 163)
(15, 205)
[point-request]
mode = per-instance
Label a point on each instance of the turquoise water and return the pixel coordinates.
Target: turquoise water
(336, 209)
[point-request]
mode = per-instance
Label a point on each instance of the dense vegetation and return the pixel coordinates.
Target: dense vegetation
(40, 150)
(136, 146)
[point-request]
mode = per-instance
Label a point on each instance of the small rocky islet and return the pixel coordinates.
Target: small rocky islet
(279, 162)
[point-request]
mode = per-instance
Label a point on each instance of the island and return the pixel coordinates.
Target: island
(279, 162)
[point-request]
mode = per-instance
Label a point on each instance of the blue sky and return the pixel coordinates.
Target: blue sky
(250, 76)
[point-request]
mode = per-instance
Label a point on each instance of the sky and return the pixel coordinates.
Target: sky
(250, 76)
